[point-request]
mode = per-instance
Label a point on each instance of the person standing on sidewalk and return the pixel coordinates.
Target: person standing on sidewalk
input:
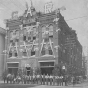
(41, 79)
(65, 79)
(47, 76)
(50, 79)
(61, 80)
(53, 79)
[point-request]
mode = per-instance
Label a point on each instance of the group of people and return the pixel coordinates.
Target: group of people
(37, 79)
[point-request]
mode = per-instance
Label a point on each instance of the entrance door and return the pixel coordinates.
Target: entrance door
(13, 71)
(46, 67)
(13, 68)
(47, 70)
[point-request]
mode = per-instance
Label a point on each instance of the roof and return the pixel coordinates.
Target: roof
(2, 31)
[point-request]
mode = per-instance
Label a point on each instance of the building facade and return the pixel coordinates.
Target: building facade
(40, 40)
(2, 48)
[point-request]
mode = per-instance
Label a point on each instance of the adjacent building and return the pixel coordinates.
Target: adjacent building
(2, 48)
(41, 40)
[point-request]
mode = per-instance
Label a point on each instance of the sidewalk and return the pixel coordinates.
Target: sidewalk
(46, 86)
(1, 81)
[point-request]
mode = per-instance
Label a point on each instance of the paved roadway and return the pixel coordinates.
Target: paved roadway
(2, 85)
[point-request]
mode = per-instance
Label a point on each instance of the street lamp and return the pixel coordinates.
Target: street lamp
(63, 70)
(5, 57)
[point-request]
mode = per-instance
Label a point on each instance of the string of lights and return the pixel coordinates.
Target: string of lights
(76, 18)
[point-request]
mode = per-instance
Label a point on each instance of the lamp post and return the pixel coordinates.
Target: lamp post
(5, 57)
(63, 70)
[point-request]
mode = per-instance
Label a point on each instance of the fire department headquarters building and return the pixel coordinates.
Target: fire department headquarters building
(41, 40)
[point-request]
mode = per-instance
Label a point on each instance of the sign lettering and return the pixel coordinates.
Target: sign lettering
(48, 7)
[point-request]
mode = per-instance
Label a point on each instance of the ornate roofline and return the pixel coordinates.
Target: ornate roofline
(2, 31)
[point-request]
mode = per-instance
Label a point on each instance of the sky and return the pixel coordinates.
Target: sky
(76, 14)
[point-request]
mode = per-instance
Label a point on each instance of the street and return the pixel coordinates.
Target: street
(2, 85)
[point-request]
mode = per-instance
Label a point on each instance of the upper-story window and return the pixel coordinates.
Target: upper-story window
(50, 30)
(34, 31)
(46, 49)
(43, 31)
(10, 53)
(24, 52)
(15, 53)
(33, 51)
(43, 50)
(17, 33)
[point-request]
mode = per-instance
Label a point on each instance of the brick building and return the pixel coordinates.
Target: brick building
(40, 40)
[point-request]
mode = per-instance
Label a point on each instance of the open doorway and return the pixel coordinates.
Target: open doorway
(46, 67)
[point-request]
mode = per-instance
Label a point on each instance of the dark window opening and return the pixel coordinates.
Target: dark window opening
(34, 37)
(50, 52)
(24, 38)
(11, 41)
(32, 53)
(51, 36)
(10, 54)
(46, 63)
(16, 54)
(43, 52)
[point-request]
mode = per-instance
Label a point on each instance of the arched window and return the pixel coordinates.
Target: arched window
(51, 30)
(43, 31)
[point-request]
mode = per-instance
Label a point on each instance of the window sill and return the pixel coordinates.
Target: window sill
(12, 57)
(47, 55)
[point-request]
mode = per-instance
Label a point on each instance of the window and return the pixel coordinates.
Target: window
(50, 51)
(43, 31)
(51, 31)
(34, 37)
(34, 31)
(24, 52)
(24, 38)
(11, 41)
(10, 53)
(46, 49)
(17, 33)
(33, 51)
(43, 50)
(15, 53)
